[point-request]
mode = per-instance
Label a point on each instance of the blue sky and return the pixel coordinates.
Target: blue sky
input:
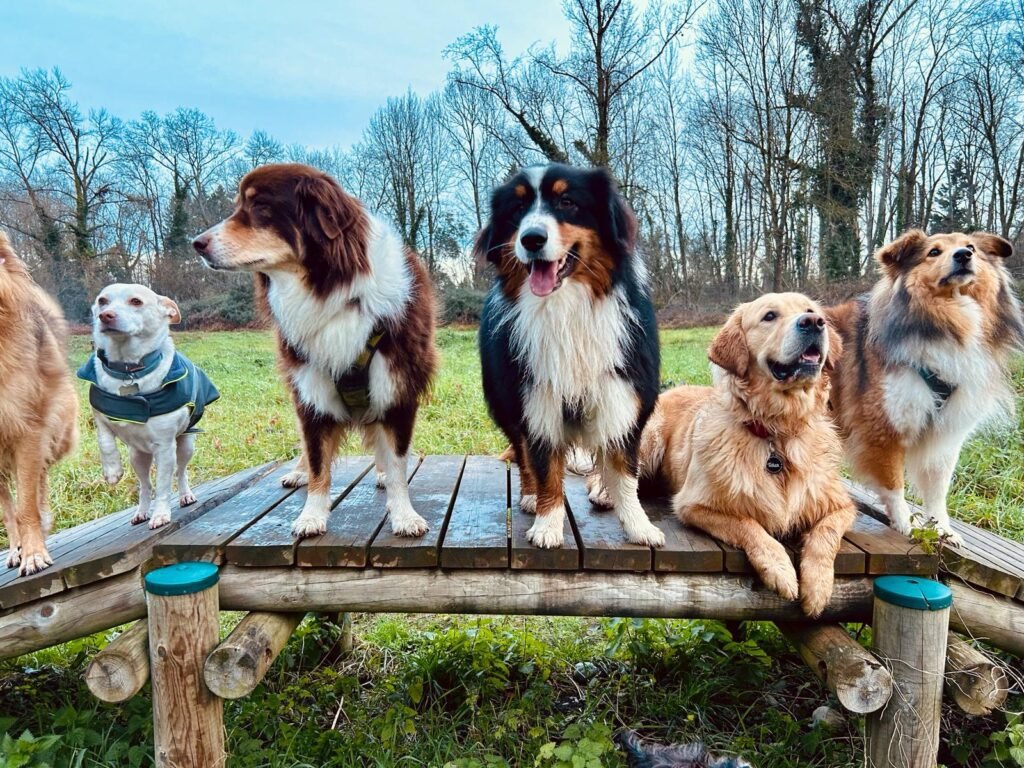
(307, 71)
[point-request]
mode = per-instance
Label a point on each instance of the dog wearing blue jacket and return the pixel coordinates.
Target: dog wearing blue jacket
(145, 394)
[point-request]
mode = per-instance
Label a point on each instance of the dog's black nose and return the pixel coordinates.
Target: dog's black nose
(810, 322)
(962, 255)
(201, 243)
(533, 239)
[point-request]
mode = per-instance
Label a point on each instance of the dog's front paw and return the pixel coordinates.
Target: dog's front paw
(187, 499)
(160, 518)
(815, 592)
(598, 493)
(35, 562)
(141, 515)
(382, 479)
(645, 532)
(408, 524)
(781, 578)
(306, 526)
(295, 479)
(544, 535)
(528, 503)
(112, 475)
(14, 557)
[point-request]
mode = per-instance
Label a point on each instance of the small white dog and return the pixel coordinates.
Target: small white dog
(144, 393)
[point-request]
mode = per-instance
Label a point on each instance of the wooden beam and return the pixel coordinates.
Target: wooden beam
(120, 670)
(978, 684)
(238, 664)
(72, 614)
(507, 592)
(983, 616)
(858, 679)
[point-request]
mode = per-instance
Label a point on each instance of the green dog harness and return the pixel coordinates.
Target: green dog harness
(184, 385)
(354, 384)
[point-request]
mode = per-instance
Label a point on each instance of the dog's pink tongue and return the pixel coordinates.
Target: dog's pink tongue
(543, 275)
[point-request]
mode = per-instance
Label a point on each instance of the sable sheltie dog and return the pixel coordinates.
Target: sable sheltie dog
(927, 364)
(756, 457)
(568, 339)
(38, 409)
(354, 314)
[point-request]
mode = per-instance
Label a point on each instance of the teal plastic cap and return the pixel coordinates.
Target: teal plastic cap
(913, 592)
(181, 579)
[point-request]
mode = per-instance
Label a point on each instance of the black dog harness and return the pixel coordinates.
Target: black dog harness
(354, 384)
(942, 389)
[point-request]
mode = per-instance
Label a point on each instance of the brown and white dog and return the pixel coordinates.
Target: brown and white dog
(926, 364)
(756, 457)
(38, 409)
(354, 313)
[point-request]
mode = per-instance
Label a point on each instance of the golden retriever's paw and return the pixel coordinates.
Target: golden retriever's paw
(408, 524)
(295, 479)
(781, 578)
(187, 499)
(306, 526)
(160, 519)
(815, 596)
(35, 562)
(13, 557)
(644, 532)
(528, 503)
(382, 479)
(546, 531)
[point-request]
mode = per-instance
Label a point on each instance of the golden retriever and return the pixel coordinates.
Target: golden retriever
(927, 364)
(38, 410)
(755, 458)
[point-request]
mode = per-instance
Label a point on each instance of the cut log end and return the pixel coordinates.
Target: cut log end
(120, 670)
(236, 666)
(978, 684)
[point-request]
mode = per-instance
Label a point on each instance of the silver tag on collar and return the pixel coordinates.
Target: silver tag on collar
(128, 389)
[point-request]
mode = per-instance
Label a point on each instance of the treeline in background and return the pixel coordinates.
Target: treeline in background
(764, 144)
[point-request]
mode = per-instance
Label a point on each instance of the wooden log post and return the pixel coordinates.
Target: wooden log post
(345, 641)
(120, 670)
(859, 680)
(188, 720)
(978, 684)
(239, 663)
(911, 621)
(984, 616)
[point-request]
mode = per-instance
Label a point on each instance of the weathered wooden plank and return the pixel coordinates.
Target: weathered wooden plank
(350, 528)
(686, 550)
(604, 543)
(269, 541)
(888, 551)
(542, 593)
(477, 533)
(432, 491)
(525, 554)
(986, 560)
(205, 539)
(101, 551)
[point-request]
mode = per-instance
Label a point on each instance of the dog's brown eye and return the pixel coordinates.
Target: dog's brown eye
(970, 247)
(565, 202)
(103, 301)
(768, 317)
(934, 252)
(135, 302)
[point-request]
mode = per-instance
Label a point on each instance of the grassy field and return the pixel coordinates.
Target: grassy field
(462, 691)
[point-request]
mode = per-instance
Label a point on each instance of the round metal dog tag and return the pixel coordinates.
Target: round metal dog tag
(774, 465)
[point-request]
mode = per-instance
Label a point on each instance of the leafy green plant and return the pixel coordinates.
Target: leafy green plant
(27, 751)
(581, 746)
(1008, 744)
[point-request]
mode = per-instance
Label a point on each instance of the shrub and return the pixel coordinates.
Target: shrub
(461, 305)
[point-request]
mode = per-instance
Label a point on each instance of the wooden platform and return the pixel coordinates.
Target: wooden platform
(243, 522)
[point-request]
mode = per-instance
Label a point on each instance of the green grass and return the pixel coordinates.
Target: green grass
(432, 690)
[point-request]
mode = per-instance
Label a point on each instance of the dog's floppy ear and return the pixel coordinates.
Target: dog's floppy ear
(620, 214)
(333, 225)
(483, 248)
(835, 347)
(729, 348)
(171, 308)
(895, 255)
(993, 244)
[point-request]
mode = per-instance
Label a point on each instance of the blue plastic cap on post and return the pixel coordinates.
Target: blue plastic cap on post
(181, 579)
(913, 592)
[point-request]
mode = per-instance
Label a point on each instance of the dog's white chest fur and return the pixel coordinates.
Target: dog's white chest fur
(330, 333)
(914, 409)
(572, 345)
